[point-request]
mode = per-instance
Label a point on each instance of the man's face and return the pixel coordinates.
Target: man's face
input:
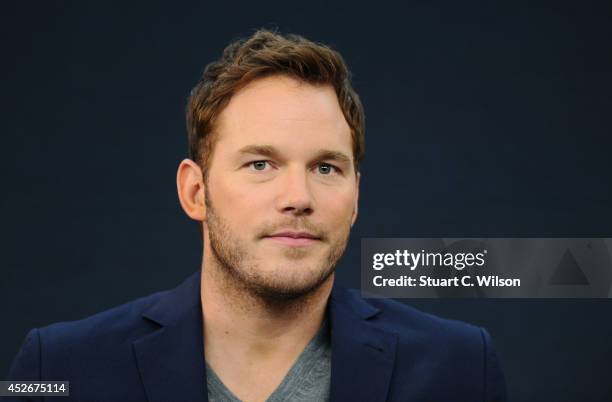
(282, 191)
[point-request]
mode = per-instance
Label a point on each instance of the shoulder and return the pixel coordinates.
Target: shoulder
(127, 322)
(435, 349)
(100, 348)
(95, 343)
(425, 337)
(408, 321)
(124, 319)
(70, 349)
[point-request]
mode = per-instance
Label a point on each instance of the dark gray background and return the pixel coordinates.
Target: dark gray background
(484, 119)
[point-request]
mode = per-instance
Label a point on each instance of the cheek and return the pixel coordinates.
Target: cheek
(240, 204)
(338, 206)
(232, 194)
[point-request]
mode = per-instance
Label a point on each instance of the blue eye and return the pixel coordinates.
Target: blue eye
(326, 168)
(259, 165)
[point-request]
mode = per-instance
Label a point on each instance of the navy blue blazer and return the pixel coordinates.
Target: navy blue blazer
(151, 349)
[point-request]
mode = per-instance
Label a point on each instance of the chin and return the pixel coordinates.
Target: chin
(289, 288)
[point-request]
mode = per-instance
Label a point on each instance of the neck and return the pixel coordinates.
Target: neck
(236, 319)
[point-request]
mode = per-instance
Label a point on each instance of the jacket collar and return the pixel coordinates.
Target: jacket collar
(171, 358)
(363, 353)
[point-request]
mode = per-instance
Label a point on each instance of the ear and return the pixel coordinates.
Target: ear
(354, 218)
(190, 187)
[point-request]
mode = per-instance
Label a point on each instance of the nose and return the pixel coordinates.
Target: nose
(295, 196)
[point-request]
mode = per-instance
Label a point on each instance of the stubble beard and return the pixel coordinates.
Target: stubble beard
(242, 278)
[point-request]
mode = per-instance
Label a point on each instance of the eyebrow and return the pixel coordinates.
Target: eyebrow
(271, 152)
(264, 150)
(334, 156)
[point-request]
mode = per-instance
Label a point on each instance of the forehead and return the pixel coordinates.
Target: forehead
(284, 112)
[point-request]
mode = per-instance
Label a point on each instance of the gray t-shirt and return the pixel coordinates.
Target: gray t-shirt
(308, 380)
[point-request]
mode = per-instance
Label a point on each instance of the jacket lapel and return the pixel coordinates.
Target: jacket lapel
(363, 354)
(171, 358)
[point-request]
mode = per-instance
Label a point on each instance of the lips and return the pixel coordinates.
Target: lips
(295, 235)
(290, 238)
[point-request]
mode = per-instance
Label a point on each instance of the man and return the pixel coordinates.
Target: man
(276, 141)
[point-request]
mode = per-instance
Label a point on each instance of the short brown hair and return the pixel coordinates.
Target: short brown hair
(263, 54)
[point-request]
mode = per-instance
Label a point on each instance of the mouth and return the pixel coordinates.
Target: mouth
(294, 239)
